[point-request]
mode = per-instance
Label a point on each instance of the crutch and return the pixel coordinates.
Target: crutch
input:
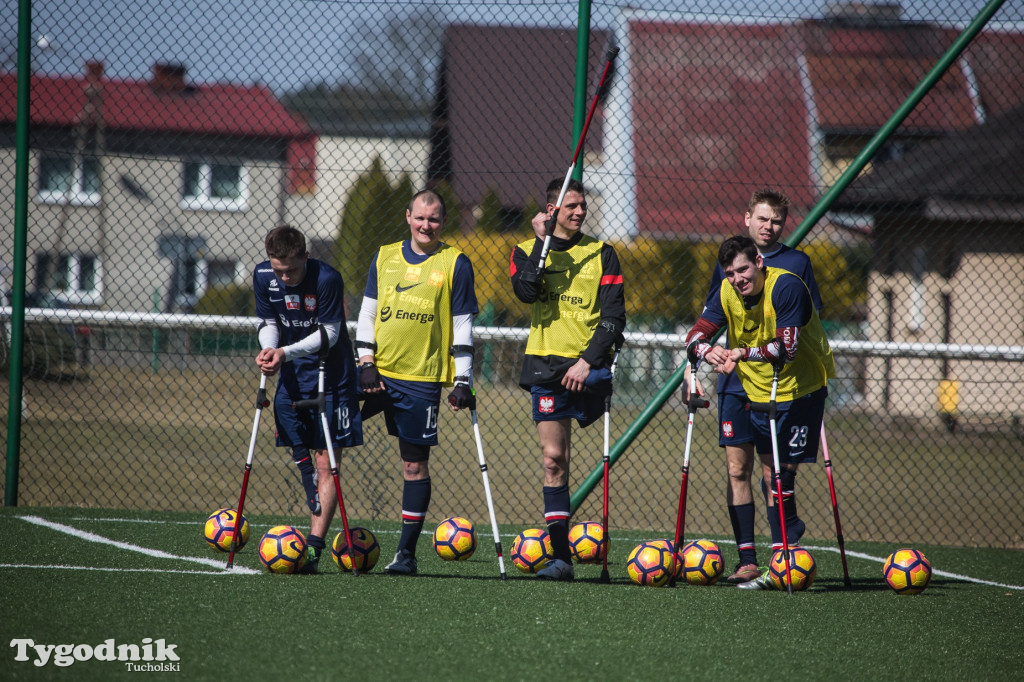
(550, 224)
(606, 461)
(487, 489)
(772, 411)
(261, 402)
(693, 403)
(320, 404)
(835, 507)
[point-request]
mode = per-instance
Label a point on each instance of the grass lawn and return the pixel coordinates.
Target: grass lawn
(86, 576)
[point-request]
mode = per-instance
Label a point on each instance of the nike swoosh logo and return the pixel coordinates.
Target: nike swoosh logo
(276, 300)
(399, 288)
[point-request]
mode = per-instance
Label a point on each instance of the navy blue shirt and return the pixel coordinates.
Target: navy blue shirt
(299, 310)
(785, 258)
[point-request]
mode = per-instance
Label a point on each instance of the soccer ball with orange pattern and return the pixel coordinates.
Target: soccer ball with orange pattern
(531, 550)
(283, 549)
(702, 562)
(220, 529)
(907, 571)
(651, 564)
(455, 539)
(367, 550)
(587, 542)
(802, 568)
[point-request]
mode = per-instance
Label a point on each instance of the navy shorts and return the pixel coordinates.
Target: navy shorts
(734, 426)
(798, 424)
(410, 417)
(303, 427)
(555, 402)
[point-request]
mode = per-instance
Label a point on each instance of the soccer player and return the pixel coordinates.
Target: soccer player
(415, 334)
(765, 219)
(300, 301)
(577, 318)
(771, 320)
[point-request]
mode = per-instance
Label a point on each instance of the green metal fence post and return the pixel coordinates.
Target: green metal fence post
(20, 232)
(579, 105)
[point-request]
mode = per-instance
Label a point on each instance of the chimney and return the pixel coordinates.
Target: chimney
(94, 72)
(168, 77)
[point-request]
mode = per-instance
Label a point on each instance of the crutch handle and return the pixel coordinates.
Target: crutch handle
(696, 402)
(318, 403)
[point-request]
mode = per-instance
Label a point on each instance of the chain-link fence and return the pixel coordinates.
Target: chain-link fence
(165, 141)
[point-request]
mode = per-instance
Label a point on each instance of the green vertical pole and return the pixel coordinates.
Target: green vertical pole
(20, 236)
(579, 104)
(858, 164)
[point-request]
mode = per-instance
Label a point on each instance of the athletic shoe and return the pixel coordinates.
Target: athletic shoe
(744, 573)
(556, 570)
(312, 565)
(404, 563)
(761, 582)
(309, 483)
(796, 532)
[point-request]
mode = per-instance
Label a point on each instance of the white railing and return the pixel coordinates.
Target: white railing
(635, 340)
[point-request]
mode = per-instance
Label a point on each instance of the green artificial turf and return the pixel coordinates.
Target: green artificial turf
(460, 621)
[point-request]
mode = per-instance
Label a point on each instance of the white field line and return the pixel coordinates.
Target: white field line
(112, 570)
(92, 537)
(835, 550)
(935, 571)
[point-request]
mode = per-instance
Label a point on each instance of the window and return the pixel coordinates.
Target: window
(75, 278)
(214, 186)
(61, 179)
(194, 276)
(220, 272)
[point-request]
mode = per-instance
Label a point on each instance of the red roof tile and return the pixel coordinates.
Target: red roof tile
(714, 115)
(216, 109)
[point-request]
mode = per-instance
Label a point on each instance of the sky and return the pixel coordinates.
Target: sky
(289, 43)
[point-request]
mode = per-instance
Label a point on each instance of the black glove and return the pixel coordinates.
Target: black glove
(691, 352)
(462, 396)
(369, 377)
(778, 362)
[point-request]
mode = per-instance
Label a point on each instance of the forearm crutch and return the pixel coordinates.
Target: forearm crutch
(320, 404)
(261, 402)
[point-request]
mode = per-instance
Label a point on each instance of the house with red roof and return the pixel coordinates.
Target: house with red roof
(145, 192)
(701, 112)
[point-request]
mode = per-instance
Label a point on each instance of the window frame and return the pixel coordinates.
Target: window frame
(69, 269)
(203, 199)
(75, 194)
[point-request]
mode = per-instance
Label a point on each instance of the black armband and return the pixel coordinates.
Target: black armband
(366, 344)
(462, 349)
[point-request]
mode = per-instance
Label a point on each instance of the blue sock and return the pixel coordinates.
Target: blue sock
(415, 501)
(742, 518)
(788, 480)
(772, 514)
(556, 515)
(307, 473)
